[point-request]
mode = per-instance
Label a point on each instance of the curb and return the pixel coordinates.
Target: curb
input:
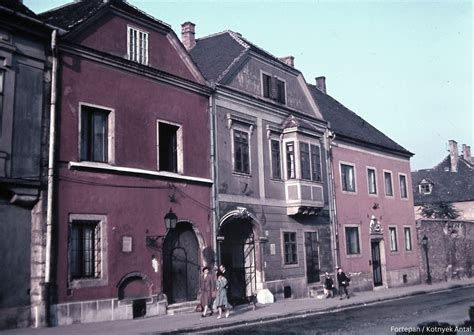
(305, 313)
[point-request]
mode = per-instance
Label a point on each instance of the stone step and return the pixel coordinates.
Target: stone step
(182, 307)
(316, 291)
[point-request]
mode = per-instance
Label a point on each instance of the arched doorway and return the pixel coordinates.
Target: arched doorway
(237, 251)
(181, 264)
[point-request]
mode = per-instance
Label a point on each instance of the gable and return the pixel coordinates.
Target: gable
(249, 77)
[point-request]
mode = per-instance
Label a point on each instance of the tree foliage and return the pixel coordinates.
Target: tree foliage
(439, 210)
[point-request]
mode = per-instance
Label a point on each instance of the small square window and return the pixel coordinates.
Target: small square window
(425, 188)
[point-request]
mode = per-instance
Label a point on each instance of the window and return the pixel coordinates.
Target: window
(407, 233)
(352, 241)
(347, 178)
(290, 160)
(137, 45)
(94, 134)
(305, 163)
(393, 238)
(289, 240)
(403, 187)
(241, 152)
(276, 159)
(425, 188)
(388, 184)
(85, 249)
(316, 174)
(372, 181)
(273, 88)
(170, 153)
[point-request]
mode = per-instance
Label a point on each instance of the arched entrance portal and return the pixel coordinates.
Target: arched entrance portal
(238, 253)
(181, 264)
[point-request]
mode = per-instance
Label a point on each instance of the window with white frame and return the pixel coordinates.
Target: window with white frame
(94, 134)
(372, 181)
(273, 88)
(392, 232)
(407, 234)
(304, 161)
(170, 147)
(241, 152)
(137, 41)
(388, 183)
(352, 240)
(290, 248)
(348, 178)
(403, 186)
(87, 250)
(290, 160)
(425, 188)
(276, 158)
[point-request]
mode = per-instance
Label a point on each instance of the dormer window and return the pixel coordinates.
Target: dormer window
(273, 88)
(137, 42)
(425, 188)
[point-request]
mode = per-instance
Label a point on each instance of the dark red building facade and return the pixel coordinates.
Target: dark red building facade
(133, 146)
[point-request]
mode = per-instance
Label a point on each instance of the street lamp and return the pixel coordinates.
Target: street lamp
(424, 244)
(170, 223)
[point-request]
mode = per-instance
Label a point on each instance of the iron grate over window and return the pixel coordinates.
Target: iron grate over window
(85, 249)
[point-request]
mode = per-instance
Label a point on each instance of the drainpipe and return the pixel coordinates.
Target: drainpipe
(329, 139)
(214, 166)
(51, 157)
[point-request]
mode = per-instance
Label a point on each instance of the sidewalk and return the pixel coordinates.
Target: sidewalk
(244, 314)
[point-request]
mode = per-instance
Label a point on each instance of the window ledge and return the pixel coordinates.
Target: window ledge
(121, 169)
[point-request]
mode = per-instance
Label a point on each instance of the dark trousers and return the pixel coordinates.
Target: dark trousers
(343, 289)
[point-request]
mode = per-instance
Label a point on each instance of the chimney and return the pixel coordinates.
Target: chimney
(454, 155)
(466, 153)
(321, 84)
(288, 60)
(187, 35)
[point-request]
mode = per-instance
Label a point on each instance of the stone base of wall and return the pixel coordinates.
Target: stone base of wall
(102, 310)
(403, 277)
(19, 317)
(299, 288)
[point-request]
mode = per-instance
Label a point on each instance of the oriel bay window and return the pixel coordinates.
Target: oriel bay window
(304, 159)
(316, 173)
(290, 160)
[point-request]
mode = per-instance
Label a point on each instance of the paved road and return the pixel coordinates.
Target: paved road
(380, 318)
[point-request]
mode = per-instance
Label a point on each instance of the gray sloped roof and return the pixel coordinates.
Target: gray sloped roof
(447, 186)
(73, 14)
(345, 123)
(216, 54)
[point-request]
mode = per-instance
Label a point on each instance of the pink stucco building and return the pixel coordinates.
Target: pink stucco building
(374, 223)
(133, 146)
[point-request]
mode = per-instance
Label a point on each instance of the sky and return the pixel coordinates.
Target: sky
(406, 67)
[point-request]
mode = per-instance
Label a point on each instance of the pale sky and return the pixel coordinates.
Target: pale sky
(406, 67)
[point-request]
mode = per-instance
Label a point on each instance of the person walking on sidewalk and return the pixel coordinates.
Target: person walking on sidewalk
(206, 290)
(343, 282)
(328, 286)
(221, 302)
